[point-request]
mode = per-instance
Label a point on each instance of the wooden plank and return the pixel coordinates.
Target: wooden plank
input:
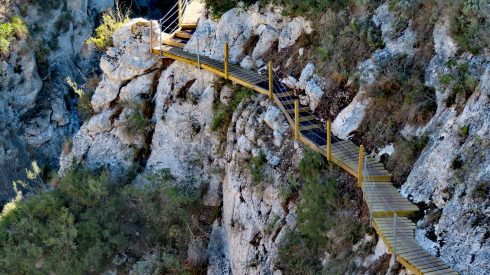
(432, 269)
(306, 118)
(286, 94)
(183, 34)
(301, 109)
(428, 262)
(442, 272)
(309, 127)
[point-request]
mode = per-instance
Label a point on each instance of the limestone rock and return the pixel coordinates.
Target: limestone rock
(292, 31)
(268, 37)
(219, 262)
(314, 92)
(131, 55)
(138, 87)
(226, 94)
(306, 74)
(106, 92)
(247, 63)
(349, 119)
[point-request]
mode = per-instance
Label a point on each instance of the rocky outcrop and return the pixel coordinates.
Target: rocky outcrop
(451, 177)
(261, 30)
(179, 100)
(36, 110)
(349, 119)
(460, 192)
(130, 75)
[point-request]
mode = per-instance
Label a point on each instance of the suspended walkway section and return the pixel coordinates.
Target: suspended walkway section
(388, 209)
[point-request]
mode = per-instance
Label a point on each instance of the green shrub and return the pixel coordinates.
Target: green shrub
(470, 26)
(42, 52)
(6, 35)
(223, 112)
(481, 191)
(445, 79)
(88, 219)
(19, 27)
(321, 210)
(257, 167)
(311, 165)
(111, 22)
(406, 154)
(84, 106)
(464, 131)
(138, 124)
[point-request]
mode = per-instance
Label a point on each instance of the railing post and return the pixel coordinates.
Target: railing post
(371, 205)
(227, 74)
(198, 52)
(180, 13)
(271, 86)
(359, 168)
(296, 119)
(329, 140)
(394, 227)
(151, 36)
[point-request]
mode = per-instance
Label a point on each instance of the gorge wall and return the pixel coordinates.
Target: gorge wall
(152, 114)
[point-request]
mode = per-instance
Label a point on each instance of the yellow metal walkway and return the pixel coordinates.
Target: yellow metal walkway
(388, 208)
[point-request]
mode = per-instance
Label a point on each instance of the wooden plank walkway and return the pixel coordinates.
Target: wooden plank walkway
(408, 251)
(386, 205)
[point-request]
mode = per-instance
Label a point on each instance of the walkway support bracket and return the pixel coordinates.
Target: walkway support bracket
(227, 73)
(296, 119)
(359, 168)
(271, 79)
(329, 140)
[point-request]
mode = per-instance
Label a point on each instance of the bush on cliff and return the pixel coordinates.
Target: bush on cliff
(88, 220)
(6, 35)
(111, 22)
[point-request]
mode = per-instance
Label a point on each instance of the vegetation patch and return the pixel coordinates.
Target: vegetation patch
(461, 85)
(111, 21)
(88, 221)
(326, 223)
(470, 25)
(6, 36)
(84, 106)
(406, 154)
(137, 122)
(222, 113)
(399, 98)
(257, 167)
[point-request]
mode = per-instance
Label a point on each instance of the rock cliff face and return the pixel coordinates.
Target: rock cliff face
(35, 105)
(176, 100)
(181, 99)
(451, 176)
(153, 114)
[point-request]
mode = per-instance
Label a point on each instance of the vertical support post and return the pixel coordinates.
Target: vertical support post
(394, 227)
(151, 36)
(198, 52)
(271, 86)
(180, 13)
(160, 38)
(227, 73)
(329, 140)
(296, 119)
(359, 168)
(371, 205)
